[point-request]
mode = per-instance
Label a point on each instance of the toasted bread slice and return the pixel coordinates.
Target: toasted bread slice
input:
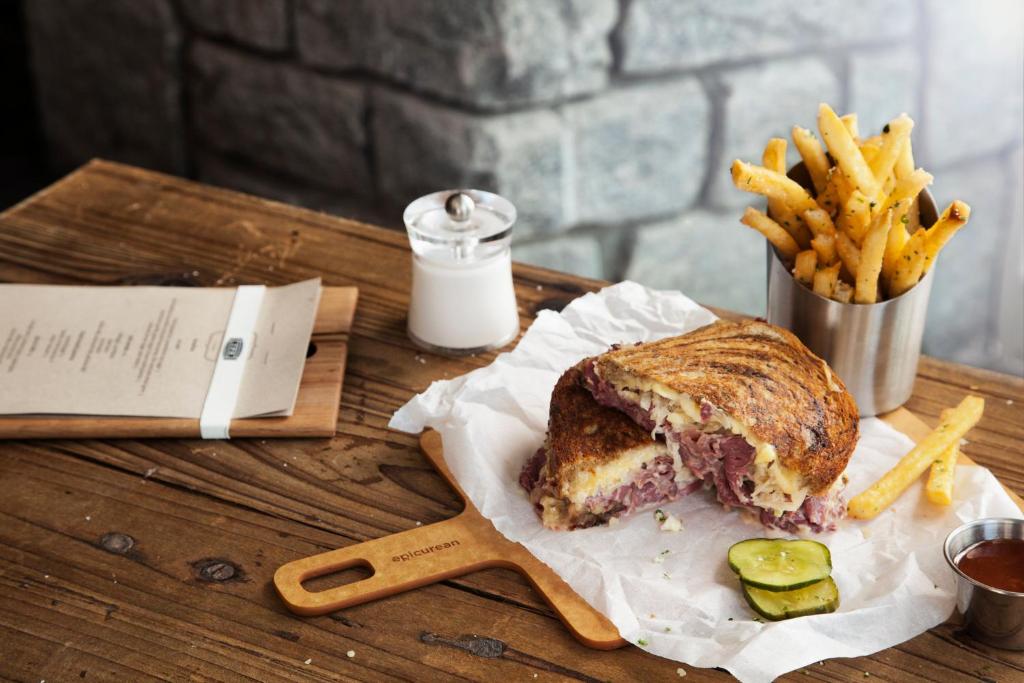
(747, 379)
(597, 464)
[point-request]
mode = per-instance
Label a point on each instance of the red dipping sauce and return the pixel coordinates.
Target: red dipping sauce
(998, 563)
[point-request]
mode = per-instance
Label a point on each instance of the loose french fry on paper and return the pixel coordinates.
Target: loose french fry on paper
(953, 425)
(939, 488)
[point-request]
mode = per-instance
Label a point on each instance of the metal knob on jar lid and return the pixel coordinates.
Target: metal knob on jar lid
(459, 206)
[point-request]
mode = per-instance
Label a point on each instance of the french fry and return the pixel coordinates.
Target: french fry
(895, 136)
(849, 254)
(869, 151)
(813, 155)
(953, 426)
(856, 215)
(909, 265)
(850, 121)
(825, 280)
(819, 222)
(905, 162)
(939, 488)
(825, 247)
(952, 219)
(760, 180)
(906, 189)
(803, 269)
(843, 292)
(870, 265)
(873, 141)
(774, 159)
(775, 233)
(893, 248)
(845, 151)
(913, 221)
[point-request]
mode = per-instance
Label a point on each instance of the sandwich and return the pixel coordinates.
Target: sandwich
(597, 464)
(747, 408)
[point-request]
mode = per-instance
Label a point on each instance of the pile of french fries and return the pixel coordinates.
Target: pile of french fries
(856, 234)
(939, 450)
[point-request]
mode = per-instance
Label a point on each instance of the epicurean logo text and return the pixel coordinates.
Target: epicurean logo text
(425, 551)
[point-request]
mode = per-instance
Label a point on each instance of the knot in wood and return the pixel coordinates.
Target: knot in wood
(216, 571)
(117, 543)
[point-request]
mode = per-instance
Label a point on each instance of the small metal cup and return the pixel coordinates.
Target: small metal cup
(992, 616)
(874, 348)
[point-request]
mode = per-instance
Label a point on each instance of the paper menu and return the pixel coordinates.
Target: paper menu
(145, 351)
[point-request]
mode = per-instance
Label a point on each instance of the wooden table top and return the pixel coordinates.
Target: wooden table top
(130, 560)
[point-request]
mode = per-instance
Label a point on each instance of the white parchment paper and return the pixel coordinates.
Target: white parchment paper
(685, 604)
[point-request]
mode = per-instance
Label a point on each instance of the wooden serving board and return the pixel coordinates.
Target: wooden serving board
(316, 406)
(461, 545)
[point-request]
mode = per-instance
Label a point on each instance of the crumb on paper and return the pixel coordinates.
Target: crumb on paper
(660, 557)
(666, 575)
(671, 523)
(642, 642)
(350, 654)
(668, 629)
(614, 521)
(308, 661)
(659, 516)
(681, 672)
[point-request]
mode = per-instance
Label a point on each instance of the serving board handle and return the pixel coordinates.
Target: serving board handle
(432, 553)
(398, 563)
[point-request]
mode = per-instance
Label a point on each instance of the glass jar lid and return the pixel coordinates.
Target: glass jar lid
(460, 218)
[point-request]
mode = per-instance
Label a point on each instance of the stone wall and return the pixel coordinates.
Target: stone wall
(609, 123)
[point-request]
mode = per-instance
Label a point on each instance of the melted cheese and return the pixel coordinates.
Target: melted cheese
(776, 487)
(604, 479)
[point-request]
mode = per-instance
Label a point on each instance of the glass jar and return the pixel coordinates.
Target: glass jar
(462, 299)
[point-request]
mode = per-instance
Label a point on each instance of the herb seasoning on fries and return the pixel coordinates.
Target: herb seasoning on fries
(855, 235)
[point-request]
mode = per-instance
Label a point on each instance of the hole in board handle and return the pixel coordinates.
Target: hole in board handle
(339, 577)
(311, 349)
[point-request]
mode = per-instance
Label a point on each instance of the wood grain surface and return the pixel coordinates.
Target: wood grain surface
(142, 560)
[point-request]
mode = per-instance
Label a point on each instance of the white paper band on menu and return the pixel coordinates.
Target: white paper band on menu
(222, 396)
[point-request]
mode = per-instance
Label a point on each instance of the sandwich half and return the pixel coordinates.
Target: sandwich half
(597, 464)
(747, 407)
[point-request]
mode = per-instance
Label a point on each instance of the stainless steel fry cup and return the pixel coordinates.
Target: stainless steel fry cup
(992, 616)
(874, 348)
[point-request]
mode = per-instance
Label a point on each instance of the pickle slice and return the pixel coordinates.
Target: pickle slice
(819, 598)
(774, 564)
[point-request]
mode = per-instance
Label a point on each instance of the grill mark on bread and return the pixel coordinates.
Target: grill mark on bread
(762, 376)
